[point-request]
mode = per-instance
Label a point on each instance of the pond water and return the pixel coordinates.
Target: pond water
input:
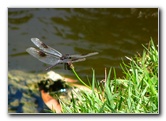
(113, 32)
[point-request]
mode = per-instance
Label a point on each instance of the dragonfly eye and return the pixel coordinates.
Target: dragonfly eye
(42, 54)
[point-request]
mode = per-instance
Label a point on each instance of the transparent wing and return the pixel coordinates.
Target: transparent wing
(45, 47)
(83, 56)
(43, 57)
(78, 60)
(66, 61)
(72, 60)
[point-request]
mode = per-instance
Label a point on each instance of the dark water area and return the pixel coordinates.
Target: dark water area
(113, 32)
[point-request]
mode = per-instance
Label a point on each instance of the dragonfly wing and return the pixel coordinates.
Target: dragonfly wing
(45, 47)
(78, 60)
(83, 56)
(44, 57)
(72, 60)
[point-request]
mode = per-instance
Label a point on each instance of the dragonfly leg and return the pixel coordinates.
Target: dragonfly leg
(67, 66)
(70, 65)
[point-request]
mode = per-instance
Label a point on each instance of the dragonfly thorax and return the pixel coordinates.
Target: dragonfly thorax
(66, 56)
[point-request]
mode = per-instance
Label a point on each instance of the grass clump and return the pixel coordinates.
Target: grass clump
(137, 92)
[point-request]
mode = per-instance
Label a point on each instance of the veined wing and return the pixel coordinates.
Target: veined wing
(78, 60)
(45, 47)
(66, 61)
(83, 56)
(44, 57)
(72, 60)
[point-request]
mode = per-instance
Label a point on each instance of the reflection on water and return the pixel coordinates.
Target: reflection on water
(114, 33)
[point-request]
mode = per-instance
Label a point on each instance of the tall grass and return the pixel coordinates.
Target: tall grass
(137, 92)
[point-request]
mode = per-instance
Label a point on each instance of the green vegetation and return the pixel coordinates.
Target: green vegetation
(137, 92)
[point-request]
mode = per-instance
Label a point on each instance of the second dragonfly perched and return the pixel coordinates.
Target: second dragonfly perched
(53, 57)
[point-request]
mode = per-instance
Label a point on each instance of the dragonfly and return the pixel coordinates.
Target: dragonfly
(51, 56)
